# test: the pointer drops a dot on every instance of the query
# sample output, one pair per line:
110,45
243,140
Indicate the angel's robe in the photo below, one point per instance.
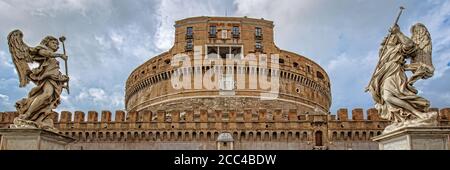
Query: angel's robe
47,74
390,77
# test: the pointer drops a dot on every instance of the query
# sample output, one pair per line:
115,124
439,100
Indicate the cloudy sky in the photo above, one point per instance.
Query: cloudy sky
107,39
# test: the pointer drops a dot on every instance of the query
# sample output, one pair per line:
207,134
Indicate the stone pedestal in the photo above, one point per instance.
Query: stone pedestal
32,139
415,138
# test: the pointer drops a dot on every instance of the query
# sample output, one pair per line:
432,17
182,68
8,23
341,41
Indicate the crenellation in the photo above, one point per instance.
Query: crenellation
146,117
331,117
444,114
2,117
217,116
106,116
120,116
66,117
181,126
92,116
132,117
342,114
372,114
79,117
9,116
357,114
55,117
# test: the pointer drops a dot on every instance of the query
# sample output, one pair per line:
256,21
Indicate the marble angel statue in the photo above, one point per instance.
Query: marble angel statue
36,109
396,99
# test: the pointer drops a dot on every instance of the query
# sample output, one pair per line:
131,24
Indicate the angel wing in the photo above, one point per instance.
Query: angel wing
422,39
21,56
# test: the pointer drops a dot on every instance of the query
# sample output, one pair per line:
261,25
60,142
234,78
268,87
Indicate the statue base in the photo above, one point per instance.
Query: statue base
33,139
415,138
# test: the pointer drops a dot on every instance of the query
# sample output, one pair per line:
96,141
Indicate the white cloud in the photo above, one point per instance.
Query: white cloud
4,98
105,99
5,104
98,95
48,8
5,60
117,38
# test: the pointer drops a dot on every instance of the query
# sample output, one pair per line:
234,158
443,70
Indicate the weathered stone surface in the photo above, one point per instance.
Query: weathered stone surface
35,110
33,139
415,138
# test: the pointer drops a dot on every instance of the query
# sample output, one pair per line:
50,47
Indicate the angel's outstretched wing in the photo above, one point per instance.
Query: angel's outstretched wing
21,56
422,39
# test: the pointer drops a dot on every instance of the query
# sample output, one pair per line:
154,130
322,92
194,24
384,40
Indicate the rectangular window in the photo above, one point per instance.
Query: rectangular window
223,52
235,51
224,34
258,32
189,31
236,30
212,31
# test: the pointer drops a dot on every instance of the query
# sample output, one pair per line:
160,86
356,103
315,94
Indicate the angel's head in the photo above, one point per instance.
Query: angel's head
51,43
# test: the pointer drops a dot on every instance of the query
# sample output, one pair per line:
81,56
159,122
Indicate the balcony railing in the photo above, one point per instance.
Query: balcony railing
212,35
189,36
236,35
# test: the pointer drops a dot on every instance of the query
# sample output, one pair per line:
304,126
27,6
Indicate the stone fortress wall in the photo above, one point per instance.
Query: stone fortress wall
199,129
304,85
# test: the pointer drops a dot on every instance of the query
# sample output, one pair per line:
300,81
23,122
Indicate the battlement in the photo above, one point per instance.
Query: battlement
80,119
246,126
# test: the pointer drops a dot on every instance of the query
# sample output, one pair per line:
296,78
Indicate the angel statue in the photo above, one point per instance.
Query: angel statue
35,110
395,96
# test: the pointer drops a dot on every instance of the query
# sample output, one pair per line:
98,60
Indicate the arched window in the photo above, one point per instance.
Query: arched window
274,136
305,136
319,75
266,136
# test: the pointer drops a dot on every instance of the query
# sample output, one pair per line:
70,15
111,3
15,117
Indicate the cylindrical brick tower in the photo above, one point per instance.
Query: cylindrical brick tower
303,84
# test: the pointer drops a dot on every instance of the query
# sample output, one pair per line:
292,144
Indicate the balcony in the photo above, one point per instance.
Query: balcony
212,35
258,36
259,47
236,35
189,36
188,47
